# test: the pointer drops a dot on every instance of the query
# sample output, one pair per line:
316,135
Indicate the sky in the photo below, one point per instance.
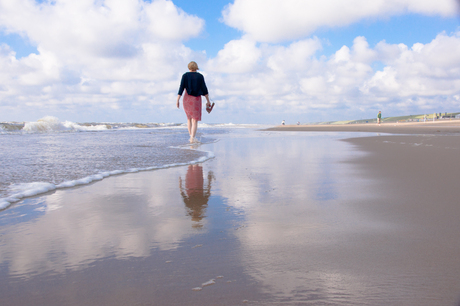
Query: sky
264,61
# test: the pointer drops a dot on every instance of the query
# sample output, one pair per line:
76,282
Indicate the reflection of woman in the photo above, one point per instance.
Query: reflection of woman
195,87
195,195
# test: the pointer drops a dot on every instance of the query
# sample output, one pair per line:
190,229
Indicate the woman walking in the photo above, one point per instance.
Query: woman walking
195,87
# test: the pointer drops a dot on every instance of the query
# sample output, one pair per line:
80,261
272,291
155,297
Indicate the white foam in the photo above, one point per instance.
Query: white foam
52,124
24,190
83,128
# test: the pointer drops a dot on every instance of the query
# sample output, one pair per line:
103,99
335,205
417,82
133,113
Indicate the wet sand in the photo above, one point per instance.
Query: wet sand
275,218
419,191
416,168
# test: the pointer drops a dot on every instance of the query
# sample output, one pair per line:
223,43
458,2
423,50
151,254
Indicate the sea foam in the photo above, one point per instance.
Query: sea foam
24,190
52,124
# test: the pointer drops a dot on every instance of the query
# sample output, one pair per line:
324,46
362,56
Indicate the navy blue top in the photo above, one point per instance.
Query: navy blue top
194,83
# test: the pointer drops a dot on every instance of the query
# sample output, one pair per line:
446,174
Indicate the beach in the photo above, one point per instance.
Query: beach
292,215
428,127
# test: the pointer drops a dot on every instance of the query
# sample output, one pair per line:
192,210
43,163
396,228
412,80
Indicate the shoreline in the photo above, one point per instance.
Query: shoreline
33,189
437,127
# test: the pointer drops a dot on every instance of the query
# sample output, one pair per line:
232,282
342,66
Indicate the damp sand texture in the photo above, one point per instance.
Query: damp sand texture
274,218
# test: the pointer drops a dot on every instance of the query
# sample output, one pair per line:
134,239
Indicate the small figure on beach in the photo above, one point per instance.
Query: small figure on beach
379,117
282,122
195,195
194,85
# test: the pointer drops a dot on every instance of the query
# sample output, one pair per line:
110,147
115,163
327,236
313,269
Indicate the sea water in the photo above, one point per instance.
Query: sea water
41,156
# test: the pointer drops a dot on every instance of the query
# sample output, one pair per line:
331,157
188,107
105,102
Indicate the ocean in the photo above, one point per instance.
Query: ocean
38,157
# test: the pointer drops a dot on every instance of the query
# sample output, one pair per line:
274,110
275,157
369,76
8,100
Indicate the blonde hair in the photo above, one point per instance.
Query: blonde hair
192,66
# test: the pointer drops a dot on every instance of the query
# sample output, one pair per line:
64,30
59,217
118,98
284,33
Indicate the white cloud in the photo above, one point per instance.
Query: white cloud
111,28
122,61
314,85
297,56
93,50
423,70
292,80
237,56
169,22
284,20
110,39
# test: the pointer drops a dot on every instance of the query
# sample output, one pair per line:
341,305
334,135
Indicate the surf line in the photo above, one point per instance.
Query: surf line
37,188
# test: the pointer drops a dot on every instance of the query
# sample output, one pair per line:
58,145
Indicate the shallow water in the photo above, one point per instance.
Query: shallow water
55,158
272,219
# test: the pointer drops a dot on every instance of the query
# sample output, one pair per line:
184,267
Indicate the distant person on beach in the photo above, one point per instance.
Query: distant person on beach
194,85
379,117
282,122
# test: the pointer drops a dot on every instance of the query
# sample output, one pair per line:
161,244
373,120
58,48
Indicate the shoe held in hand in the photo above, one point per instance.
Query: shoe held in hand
209,107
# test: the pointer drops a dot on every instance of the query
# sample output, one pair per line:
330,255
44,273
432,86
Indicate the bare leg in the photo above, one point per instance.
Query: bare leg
189,126
194,128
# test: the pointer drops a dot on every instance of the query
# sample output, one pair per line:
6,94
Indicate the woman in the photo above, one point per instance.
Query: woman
195,87
195,195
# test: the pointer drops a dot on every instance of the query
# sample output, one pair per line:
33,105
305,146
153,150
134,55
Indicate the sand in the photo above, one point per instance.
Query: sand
275,218
417,172
429,127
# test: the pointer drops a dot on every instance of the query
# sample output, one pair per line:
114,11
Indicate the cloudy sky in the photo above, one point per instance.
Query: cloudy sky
263,60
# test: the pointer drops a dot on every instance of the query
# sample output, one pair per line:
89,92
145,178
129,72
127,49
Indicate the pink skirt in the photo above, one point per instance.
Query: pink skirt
192,106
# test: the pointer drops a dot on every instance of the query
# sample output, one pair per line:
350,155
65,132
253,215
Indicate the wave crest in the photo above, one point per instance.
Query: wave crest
52,124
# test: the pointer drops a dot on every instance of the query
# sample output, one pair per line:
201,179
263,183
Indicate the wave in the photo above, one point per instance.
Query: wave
10,127
50,124
24,190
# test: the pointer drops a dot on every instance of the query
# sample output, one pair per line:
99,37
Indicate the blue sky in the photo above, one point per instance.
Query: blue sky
263,60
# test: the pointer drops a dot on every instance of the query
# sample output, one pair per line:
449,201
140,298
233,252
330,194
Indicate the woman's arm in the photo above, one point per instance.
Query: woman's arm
181,89
178,98
207,99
